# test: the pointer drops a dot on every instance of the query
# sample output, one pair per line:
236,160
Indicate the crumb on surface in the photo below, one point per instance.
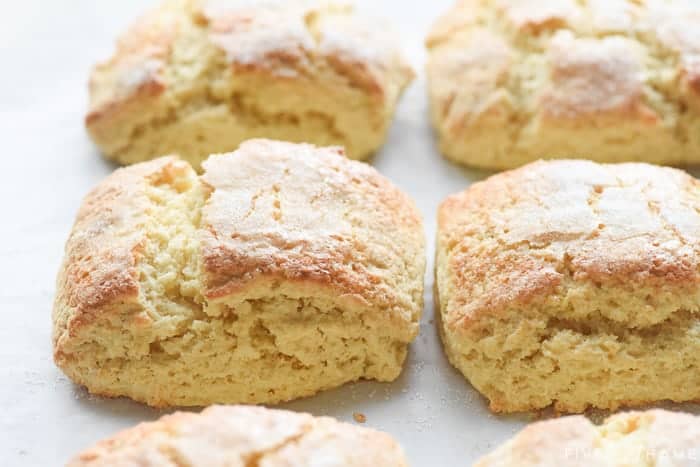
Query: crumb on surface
359,417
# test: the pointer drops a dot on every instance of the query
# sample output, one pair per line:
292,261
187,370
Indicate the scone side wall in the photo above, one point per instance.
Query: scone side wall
653,436
614,81
565,277
99,269
236,434
279,256
195,78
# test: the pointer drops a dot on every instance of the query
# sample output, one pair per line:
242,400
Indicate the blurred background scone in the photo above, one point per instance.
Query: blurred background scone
244,436
197,77
575,284
512,81
283,270
634,439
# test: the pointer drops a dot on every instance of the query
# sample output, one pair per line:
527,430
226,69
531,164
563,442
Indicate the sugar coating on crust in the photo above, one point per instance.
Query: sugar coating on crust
651,438
283,270
573,283
244,436
196,77
609,80
307,219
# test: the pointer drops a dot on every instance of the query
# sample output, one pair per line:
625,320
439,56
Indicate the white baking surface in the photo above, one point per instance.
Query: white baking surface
46,50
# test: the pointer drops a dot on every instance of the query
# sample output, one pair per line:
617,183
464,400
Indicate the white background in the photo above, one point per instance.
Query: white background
48,164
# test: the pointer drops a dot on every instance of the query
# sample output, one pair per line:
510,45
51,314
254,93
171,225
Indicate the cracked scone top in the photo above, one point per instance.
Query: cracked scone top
244,436
197,77
512,81
573,283
283,270
644,439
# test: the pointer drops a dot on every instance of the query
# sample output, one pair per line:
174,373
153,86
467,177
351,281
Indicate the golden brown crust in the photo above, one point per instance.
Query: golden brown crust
307,217
513,238
101,255
633,438
560,71
244,435
291,35
136,71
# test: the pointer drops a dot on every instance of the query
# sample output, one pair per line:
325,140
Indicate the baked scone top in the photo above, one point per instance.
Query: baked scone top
565,61
309,214
186,52
553,233
634,438
268,213
245,435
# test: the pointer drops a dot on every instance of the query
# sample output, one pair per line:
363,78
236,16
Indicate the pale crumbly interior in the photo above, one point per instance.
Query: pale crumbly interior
210,105
655,438
273,343
611,81
564,353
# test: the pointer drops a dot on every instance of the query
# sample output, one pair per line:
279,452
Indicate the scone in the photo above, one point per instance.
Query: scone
575,284
633,439
283,270
197,77
239,436
512,81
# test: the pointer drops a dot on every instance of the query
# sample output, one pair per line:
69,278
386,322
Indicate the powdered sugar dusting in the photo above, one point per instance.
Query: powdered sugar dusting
369,40
133,77
250,32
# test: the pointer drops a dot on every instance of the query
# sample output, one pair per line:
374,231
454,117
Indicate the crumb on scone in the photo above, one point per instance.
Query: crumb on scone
283,270
574,284
197,77
244,436
512,81
644,439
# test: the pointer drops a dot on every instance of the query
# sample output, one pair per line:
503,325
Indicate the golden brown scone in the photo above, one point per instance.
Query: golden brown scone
654,438
283,270
196,77
238,436
575,284
512,81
